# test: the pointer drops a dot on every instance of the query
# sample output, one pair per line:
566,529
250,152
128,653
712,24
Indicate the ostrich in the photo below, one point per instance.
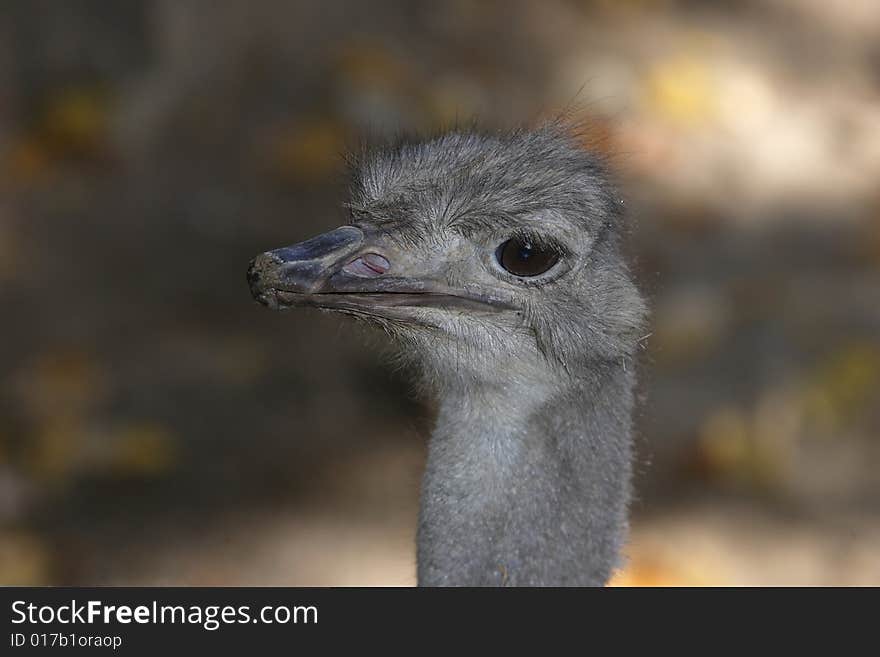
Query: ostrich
493,261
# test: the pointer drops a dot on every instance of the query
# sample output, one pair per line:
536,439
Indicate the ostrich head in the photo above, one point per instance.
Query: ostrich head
490,258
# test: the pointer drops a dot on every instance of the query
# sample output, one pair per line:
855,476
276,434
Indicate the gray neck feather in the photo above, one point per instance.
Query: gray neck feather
528,483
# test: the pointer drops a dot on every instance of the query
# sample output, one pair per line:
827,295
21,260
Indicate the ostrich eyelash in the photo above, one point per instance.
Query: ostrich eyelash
538,240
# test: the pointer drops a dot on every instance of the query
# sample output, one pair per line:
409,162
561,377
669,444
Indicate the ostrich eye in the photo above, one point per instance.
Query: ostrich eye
521,258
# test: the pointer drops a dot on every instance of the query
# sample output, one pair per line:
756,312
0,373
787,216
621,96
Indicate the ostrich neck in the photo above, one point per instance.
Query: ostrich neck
528,484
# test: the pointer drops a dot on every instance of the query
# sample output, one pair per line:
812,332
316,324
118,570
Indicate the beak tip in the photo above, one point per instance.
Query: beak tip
267,298
303,268
257,277
253,278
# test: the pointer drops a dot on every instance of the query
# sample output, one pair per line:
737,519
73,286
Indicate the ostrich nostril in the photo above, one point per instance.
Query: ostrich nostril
369,265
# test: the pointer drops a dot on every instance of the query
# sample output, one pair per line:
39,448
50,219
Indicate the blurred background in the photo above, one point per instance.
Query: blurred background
158,427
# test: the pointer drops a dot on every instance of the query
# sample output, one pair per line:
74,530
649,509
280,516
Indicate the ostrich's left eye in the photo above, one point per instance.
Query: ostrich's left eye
522,258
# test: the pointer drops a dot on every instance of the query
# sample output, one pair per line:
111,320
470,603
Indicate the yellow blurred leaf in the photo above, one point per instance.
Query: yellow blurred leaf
24,560
76,119
308,150
681,89
848,381
368,64
757,447
145,449
27,160
56,448
725,440
63,381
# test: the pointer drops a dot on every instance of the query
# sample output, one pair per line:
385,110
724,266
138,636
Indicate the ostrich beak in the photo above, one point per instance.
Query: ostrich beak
344,270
